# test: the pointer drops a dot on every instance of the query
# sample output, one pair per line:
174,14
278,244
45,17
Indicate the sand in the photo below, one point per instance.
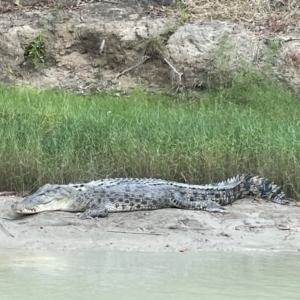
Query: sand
249,226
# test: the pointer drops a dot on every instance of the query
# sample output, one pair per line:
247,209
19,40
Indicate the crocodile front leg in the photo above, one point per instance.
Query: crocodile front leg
94,211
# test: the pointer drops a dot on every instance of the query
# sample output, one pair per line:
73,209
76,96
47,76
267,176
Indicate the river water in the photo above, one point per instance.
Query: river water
160,276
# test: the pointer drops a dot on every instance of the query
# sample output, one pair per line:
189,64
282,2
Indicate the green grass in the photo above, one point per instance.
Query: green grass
58,137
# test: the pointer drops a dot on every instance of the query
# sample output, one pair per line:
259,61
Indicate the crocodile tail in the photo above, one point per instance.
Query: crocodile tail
261,187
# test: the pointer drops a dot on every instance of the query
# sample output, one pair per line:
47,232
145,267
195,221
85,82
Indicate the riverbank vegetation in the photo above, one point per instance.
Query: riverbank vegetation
249,126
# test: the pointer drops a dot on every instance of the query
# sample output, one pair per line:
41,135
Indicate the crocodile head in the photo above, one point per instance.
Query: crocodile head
48,198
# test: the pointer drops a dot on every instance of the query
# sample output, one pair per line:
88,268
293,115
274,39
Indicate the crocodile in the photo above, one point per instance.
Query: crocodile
98,198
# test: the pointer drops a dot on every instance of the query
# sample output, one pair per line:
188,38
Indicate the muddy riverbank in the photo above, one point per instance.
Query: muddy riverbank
250,226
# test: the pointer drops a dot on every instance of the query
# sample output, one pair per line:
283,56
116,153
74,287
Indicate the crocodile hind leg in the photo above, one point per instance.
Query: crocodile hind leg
208,205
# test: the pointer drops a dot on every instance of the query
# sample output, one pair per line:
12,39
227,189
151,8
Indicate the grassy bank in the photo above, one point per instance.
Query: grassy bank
251,127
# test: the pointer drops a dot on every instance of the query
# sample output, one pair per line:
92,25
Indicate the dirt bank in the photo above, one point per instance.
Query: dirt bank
250,226
90,47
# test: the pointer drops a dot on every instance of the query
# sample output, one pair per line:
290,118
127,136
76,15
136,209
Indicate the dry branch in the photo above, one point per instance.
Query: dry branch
133,67
173,68
5,230
133,232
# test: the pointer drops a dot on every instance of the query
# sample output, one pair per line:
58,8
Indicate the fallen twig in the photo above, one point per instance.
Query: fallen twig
111,2
80,229
5,230
133,67
290,40
283,227
173,68
133,232
8,194
6,218
102,46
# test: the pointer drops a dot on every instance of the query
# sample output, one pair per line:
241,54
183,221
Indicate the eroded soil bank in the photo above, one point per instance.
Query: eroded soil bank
250,226
94,46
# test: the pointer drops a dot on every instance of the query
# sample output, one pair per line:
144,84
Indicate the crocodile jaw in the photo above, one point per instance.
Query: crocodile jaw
47,198
26,207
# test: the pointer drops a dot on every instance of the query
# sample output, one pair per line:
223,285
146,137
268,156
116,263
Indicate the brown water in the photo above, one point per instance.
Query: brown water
124,275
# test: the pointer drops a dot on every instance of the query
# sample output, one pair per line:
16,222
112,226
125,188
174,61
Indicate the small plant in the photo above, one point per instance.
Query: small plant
58,9
183,12
274,45
153,47
170,28
35,51
9,70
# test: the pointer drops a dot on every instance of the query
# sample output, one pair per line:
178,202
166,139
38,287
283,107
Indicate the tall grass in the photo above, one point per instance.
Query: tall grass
50,136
